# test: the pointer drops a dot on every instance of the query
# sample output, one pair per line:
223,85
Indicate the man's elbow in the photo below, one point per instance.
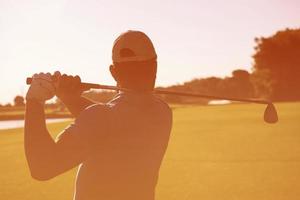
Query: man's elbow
41,174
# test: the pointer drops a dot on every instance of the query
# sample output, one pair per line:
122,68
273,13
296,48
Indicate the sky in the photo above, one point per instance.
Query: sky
193,38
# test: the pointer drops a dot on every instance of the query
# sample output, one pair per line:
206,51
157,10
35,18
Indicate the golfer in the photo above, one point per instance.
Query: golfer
119,145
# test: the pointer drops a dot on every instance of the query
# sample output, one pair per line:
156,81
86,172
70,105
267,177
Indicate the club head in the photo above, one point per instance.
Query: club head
270,115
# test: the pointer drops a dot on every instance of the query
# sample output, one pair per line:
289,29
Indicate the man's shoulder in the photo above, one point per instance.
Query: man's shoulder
95,107
98,109
162,103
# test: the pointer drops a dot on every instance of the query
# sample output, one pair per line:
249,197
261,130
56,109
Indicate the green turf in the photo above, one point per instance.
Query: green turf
215,152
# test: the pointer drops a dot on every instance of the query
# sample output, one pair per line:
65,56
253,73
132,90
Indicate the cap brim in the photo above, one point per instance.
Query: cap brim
134,59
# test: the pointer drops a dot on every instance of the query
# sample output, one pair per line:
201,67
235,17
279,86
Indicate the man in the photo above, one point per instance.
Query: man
118,145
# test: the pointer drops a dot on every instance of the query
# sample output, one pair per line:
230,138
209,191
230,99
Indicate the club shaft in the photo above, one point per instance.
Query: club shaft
88,86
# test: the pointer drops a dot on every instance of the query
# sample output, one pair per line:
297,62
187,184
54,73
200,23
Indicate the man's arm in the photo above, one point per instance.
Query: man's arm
45,157
76,104
37,140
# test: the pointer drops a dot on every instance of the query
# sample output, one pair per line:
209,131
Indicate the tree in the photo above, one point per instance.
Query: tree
262,83
238,85
19,101
277,58
243,86
8,105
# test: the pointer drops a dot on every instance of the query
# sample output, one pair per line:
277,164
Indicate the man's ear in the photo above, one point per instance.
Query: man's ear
113,72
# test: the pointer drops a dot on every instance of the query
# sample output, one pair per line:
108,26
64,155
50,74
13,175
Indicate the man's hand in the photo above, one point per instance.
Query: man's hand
42,88
67,87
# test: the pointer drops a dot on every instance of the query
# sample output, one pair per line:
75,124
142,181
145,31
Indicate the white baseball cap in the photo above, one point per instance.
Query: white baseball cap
133,46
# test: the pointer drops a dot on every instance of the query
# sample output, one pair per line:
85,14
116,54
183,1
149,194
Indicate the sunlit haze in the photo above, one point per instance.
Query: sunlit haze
193,39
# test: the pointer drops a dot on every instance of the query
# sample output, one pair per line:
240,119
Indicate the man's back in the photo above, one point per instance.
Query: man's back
126,140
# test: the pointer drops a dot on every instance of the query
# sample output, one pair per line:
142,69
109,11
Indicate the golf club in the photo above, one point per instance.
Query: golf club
270,114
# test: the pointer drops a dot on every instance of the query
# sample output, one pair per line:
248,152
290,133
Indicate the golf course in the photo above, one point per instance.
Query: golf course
221,152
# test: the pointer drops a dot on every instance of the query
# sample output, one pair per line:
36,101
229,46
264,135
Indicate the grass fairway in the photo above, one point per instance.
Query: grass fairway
215,152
